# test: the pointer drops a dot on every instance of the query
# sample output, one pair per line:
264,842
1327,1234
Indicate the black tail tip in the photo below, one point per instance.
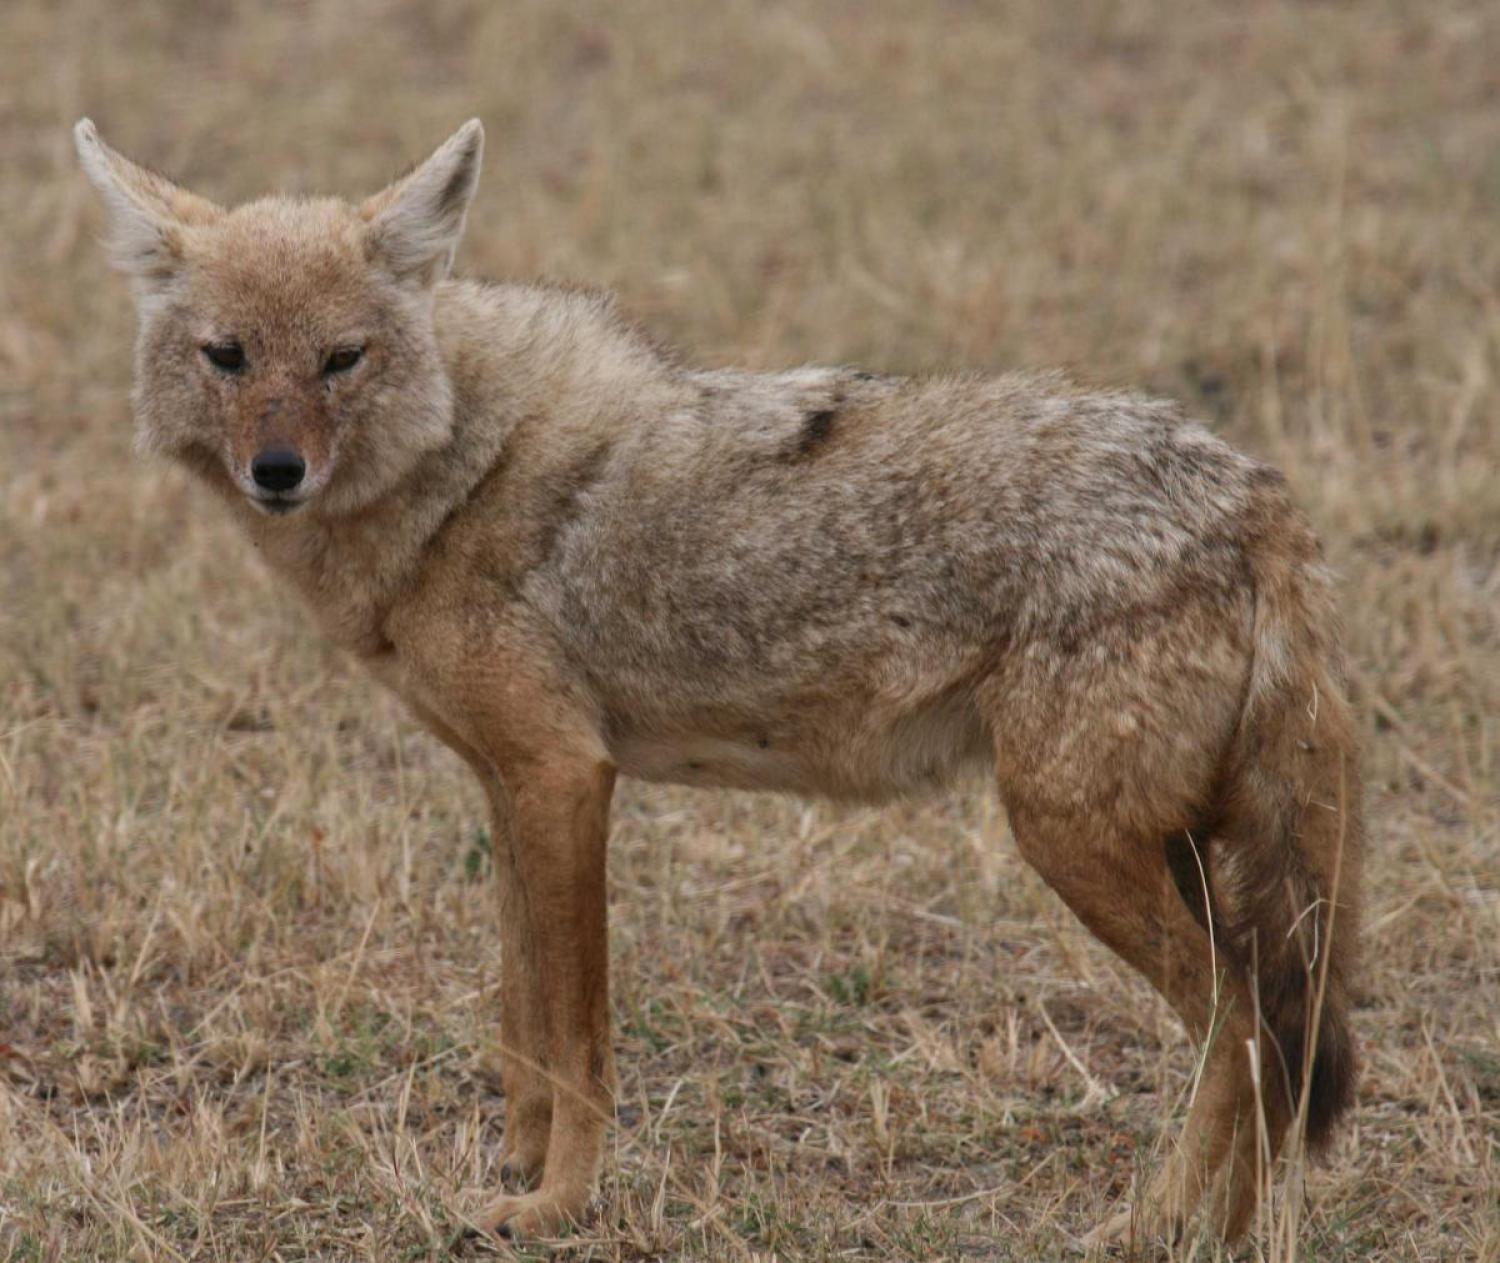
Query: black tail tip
1330,1082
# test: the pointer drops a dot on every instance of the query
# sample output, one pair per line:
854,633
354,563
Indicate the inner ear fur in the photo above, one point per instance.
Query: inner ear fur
416,223
147,211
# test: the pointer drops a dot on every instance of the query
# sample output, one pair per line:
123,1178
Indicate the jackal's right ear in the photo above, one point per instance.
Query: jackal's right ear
415,223
147,211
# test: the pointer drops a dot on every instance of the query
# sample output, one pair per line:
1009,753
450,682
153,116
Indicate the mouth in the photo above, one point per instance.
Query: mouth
276,505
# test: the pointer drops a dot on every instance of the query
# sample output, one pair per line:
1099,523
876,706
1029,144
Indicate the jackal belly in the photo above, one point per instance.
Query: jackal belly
868,753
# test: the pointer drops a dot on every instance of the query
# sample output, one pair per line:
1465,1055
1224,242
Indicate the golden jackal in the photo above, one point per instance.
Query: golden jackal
572,556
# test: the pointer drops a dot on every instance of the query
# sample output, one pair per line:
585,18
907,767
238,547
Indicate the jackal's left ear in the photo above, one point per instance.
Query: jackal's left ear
148,213
416,223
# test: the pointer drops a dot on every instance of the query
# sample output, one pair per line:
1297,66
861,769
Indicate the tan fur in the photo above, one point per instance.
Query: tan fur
574,557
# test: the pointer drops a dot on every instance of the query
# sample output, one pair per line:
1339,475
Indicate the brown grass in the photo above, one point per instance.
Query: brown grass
247,945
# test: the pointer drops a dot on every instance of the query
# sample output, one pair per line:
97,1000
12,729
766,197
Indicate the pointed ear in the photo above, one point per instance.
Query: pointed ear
147,212
416,223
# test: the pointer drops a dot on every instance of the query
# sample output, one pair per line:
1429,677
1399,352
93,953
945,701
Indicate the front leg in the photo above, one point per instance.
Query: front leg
523,1049
523,1043
556,811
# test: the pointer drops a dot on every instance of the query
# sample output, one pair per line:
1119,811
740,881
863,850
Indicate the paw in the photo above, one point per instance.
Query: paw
523,1149
544,1213
1130,1230
1118,1231
521,1168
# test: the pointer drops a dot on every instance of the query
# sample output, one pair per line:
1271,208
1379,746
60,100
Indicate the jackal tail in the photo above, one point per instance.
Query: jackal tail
1291,824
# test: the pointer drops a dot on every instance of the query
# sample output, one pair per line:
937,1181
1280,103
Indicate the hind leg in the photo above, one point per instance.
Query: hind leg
1220,1161
1233,1134
1121,887
1262,1120
1102,758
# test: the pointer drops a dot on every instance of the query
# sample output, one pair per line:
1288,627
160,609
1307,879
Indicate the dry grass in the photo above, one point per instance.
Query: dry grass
247,947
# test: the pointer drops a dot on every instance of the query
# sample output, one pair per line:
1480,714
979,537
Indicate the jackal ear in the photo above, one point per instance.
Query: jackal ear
416,223
147,211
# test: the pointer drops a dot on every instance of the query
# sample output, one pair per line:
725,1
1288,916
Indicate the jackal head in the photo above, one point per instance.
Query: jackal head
287,347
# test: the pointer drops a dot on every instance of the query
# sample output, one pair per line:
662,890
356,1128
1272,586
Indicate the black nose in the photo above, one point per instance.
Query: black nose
279,469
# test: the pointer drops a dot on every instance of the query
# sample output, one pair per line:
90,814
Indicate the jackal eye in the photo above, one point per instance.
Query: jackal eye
228,356
342,360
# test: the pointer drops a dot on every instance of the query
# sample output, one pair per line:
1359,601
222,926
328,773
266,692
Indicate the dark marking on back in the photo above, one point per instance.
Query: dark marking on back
816,429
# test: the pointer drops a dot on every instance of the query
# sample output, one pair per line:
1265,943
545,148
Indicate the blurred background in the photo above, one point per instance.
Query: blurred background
247,955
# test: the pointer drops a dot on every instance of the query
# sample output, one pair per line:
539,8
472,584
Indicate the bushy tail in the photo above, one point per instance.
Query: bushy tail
1288,879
